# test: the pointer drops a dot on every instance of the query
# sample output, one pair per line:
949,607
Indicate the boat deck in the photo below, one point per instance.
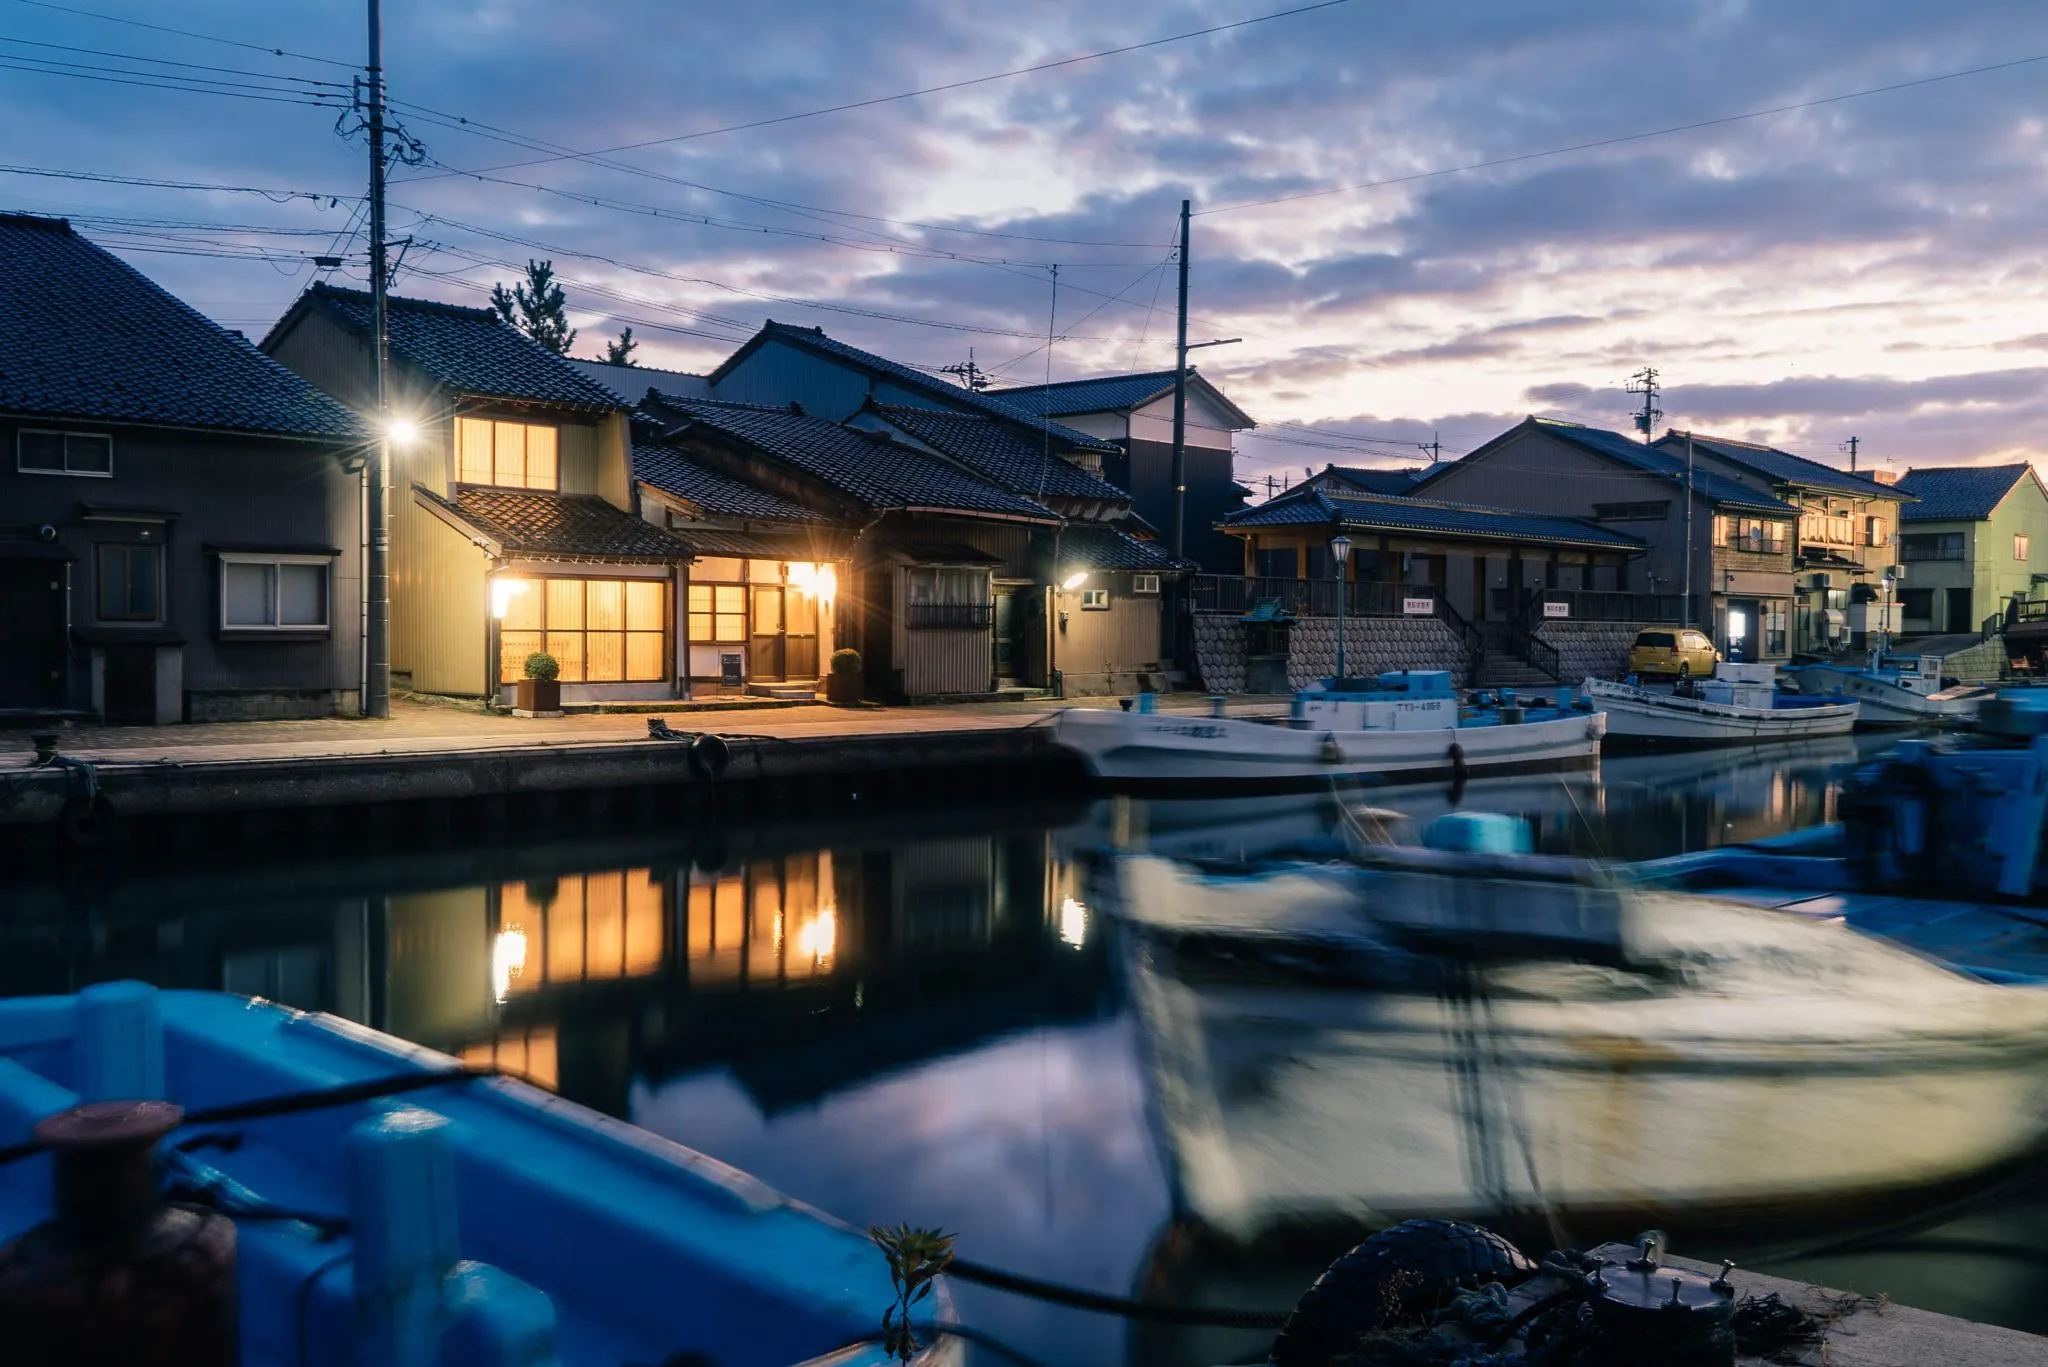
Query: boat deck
1993,941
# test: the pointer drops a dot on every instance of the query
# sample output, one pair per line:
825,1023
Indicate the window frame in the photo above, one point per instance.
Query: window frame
274,560
494,422
511,661
155,551
1144,584
716,591
65,434
2022,544
1095,600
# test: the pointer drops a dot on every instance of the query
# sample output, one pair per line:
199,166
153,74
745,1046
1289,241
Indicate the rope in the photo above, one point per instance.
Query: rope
293,1103
1074,1298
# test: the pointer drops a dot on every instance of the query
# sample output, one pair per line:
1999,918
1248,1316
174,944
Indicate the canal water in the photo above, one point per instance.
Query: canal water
927,1016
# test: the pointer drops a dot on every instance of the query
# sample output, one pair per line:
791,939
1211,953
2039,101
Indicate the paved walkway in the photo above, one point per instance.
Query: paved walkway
417,727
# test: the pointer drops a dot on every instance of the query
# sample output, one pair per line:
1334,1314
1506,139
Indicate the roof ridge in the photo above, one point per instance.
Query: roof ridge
1089,379
45,222
321,287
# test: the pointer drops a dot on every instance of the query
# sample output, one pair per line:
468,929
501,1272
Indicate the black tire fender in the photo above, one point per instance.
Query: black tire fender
88,823
709,756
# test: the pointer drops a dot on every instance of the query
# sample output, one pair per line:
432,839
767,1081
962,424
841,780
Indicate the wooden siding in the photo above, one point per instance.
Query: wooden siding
440,602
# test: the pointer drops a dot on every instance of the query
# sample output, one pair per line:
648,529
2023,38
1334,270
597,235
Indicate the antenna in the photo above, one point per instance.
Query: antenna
968,373
1644,382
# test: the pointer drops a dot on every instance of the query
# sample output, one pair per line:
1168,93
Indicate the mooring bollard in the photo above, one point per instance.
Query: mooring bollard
1216,704
401,1180
118,1045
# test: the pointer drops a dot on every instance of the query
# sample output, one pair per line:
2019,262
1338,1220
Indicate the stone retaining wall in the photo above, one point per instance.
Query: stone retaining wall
1371,646
1590,649
1984,662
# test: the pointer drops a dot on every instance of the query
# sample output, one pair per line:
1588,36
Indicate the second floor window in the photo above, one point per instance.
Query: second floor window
64,453
2020,547
1931,546
512,455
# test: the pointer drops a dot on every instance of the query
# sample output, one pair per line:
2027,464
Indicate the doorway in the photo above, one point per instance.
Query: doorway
767,657
130,698
783,634
32,605
1009,654
1959,617
1741,636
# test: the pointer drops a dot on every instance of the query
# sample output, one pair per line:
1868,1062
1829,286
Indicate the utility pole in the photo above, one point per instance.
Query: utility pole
1644,382
1435,447
1850,446
968,373
1180,397
1685,592
377,573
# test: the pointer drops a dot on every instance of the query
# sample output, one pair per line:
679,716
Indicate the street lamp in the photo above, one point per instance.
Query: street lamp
1340,548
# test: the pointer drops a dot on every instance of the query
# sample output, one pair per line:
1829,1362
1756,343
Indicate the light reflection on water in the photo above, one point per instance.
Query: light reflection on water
920,1017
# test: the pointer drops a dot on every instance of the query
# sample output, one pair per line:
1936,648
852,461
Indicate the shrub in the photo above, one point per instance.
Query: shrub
846,661
541,665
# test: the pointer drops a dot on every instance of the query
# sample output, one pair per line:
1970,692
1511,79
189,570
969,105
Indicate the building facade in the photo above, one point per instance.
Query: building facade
1967,544
513,529
180,538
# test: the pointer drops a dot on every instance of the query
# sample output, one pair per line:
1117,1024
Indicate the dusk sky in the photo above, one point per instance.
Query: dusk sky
1869,266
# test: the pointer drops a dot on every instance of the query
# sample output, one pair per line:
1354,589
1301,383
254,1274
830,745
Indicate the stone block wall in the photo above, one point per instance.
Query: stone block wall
1219,653
1984,662
1590,649
1373,645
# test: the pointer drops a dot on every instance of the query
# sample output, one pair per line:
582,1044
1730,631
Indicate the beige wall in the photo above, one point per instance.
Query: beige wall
440,602
1101,651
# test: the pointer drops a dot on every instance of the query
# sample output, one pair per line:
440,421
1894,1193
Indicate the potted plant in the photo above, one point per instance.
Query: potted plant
540,692
842,685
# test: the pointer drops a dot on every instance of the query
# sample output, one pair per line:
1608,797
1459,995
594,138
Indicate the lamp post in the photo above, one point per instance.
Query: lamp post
1340,548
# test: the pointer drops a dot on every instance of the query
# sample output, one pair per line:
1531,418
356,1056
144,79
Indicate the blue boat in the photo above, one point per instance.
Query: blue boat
503,1225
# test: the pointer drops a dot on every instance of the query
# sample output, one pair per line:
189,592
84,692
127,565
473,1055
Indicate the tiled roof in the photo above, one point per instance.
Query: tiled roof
562,526
1958,493
629,383
1375,481
756,545
717,494
1109,394
1312,506
1781,465
1083,546
1001,453
1717,489
84,335
471,351
880,473
949,395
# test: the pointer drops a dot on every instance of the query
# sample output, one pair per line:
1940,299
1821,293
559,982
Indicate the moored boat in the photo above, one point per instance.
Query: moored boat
1742,708
1892,691
1335,1042
594,1242
1404,726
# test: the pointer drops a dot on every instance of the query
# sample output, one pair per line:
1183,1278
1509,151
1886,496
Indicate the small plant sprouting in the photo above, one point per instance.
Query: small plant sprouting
916,1258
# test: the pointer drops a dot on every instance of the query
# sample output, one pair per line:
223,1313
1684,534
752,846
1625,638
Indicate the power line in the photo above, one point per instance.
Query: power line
164,61
154,183
1630,137
165,81
937,89
188,33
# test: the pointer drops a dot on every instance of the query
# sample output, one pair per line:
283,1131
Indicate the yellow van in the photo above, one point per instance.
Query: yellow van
1676,651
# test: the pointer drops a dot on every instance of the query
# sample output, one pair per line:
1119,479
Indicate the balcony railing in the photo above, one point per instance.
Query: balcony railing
1910,552
1234,593
1757,545
951,616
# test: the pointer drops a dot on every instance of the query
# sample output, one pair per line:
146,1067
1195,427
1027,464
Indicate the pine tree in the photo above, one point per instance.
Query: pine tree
537,307
621,351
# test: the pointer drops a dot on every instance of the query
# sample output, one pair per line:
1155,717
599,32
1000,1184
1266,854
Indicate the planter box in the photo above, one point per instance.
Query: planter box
842,689
537,698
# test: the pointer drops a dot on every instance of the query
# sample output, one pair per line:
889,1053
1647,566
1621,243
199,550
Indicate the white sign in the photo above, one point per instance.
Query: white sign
1557,609
1418,607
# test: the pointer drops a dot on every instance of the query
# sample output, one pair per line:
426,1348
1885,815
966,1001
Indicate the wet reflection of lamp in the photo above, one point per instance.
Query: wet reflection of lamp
508,961
1073,923
818,937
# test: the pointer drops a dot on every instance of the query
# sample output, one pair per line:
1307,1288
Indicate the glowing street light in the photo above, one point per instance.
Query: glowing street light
402,431
1074,580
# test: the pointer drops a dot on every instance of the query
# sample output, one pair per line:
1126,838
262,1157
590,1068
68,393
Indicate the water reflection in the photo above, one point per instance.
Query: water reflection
932,1018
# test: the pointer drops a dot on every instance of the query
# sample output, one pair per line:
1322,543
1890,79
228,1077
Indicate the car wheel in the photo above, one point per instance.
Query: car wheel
1684,671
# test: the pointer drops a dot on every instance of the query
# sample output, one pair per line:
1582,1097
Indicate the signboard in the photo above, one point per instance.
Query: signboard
1557,609
729,670
1418,607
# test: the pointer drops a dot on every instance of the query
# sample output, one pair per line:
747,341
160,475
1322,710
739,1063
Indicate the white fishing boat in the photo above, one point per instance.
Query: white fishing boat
1893,691
1670,1056
1405,726
1740,705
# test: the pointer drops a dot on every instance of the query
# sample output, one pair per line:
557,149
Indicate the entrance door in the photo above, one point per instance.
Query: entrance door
800,634
769,659
1006,637
32,605
1959,618
131,685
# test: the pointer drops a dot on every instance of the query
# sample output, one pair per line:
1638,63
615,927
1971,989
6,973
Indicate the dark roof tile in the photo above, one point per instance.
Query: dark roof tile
552,526
880,473
1958,493
1780,465
1092,547
1310,505
1108,394
999,452
88,337
718,494
470,351
1716,488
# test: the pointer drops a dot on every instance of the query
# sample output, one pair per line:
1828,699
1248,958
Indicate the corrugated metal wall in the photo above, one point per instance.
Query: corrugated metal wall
948,662
440,602
1125,639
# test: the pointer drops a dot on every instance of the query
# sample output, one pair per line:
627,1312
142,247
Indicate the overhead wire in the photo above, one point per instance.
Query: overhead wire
186,85
187,33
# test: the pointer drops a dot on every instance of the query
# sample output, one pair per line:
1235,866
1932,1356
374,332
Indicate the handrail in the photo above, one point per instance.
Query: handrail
1473,637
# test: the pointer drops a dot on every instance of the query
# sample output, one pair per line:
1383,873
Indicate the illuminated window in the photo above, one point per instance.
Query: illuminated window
2020,546
598,630
718,612
512,455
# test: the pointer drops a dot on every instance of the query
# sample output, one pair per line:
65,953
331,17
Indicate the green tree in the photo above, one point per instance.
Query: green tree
621,351
537,307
